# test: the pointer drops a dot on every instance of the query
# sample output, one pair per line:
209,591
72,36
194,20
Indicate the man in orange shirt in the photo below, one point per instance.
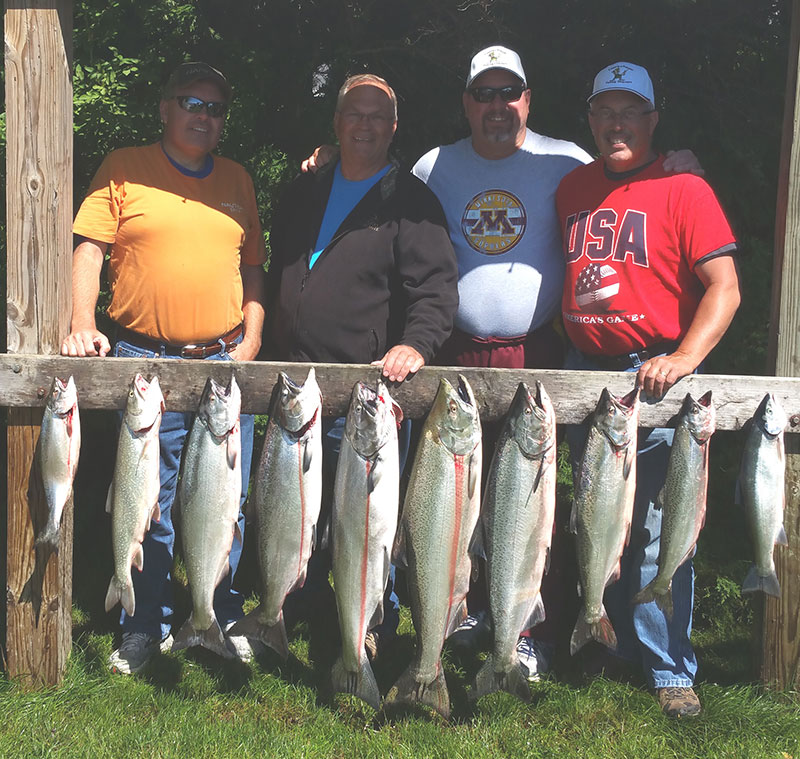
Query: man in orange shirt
186,255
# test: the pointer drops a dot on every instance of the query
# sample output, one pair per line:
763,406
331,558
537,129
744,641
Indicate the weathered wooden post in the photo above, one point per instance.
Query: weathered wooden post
781,643
38,44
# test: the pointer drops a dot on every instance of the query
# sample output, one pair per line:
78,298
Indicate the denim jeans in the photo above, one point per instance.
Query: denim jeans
643,631
153,585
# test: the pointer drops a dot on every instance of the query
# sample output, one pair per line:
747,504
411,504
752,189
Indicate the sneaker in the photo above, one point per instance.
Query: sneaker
535,657
246,649
473,633
678,702
135,650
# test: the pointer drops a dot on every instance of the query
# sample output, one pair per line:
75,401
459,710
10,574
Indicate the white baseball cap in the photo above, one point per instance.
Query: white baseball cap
625,76
495,57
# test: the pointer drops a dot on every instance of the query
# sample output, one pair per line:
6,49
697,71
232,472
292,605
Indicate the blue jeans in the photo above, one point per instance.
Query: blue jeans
643,631
153,585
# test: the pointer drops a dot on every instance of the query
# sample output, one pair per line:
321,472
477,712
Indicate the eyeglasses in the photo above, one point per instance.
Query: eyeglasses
508,94
628,116
192,104
354,117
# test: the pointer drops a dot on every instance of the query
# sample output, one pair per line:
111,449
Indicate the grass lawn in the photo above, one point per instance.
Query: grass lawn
192,704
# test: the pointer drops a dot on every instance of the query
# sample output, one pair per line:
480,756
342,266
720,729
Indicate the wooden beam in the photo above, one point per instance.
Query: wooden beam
781,632
38,51
103,384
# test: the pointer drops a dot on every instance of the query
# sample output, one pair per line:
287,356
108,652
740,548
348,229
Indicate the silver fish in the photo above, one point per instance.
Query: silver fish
761,489
365,507
58,450
133,495
515,532
209,491
603,508
287,498
439,517
682,498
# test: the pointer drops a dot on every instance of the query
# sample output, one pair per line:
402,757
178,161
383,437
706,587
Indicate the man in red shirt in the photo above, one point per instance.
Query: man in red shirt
651,286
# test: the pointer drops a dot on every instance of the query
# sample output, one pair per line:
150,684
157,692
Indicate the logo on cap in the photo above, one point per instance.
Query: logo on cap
618,74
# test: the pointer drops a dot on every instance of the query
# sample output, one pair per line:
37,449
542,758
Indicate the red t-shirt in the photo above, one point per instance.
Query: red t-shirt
631,245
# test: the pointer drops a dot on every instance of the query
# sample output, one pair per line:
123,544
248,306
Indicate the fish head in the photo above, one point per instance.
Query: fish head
63,397
617,417
454,417
295,407
532,420
220,406
145,404
371,418
770,416
699,416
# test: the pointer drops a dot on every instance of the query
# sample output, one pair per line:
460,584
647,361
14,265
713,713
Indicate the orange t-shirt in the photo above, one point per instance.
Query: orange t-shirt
176,242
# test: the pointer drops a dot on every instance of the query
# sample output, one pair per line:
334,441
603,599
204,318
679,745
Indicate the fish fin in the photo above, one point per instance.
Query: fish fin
472,476
128,599
224,569
399,558
361,684
373,475
234,446
408,690
377,616
113,595
307,456
547,560
254,627
602,631
615,575
456,618
110,497
488,681
755,582
155,514
630,458
537,613
539,474
781,540
477,542
212,638
137,560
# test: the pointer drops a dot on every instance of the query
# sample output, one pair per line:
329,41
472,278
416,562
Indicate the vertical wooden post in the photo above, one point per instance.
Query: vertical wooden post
781,643
38,57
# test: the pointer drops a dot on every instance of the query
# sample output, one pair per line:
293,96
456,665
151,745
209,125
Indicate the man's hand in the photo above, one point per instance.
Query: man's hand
321,156
85,342
245,351
683,162
659,374
399,362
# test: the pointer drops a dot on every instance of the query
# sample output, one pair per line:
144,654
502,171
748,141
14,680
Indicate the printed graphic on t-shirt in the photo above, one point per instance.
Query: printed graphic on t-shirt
494,222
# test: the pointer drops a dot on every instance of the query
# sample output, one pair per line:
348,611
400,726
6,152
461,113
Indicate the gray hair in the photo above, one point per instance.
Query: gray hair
376,81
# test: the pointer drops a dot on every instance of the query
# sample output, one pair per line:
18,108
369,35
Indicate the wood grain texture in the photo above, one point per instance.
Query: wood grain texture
103,384
781,640
38,49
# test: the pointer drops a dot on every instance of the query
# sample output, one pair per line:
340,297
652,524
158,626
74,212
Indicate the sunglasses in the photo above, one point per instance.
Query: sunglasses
507,94
194,105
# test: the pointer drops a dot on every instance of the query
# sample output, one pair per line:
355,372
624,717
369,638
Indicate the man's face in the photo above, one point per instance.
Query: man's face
498,128
622,125
192,135
365,126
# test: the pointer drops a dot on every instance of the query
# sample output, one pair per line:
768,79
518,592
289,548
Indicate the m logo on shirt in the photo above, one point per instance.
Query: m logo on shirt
600,235
494,222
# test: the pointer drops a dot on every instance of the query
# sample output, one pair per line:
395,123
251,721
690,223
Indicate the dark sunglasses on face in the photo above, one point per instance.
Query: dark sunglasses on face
194,105
507,94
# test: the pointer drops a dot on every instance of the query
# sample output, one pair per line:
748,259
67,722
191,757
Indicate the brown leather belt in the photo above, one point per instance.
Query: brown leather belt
634,358
193,350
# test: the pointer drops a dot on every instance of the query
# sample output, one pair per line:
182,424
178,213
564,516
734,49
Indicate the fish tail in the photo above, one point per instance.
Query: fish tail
488,681
121,593
409,690
755,582
600,630
253,626
211,639
361,684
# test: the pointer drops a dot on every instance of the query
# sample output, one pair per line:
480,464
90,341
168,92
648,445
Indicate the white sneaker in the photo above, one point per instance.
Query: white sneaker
535,657
473,633
246,649
135,650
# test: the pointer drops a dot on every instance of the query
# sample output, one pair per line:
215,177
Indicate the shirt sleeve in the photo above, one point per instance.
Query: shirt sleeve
703,228
99,214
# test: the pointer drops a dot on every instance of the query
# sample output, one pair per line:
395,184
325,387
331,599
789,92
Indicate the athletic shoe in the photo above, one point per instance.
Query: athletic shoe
678,702
473,633
535,657
246,649
135,650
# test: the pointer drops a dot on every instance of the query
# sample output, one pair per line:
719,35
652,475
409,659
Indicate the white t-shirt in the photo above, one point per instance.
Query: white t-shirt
504,228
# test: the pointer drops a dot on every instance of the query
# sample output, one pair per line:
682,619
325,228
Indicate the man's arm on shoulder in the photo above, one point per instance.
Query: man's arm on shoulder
712,318
253,312
84,338
683,162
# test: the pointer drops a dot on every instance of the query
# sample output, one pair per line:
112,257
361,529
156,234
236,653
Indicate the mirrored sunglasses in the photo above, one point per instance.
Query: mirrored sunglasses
507,94
195,105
